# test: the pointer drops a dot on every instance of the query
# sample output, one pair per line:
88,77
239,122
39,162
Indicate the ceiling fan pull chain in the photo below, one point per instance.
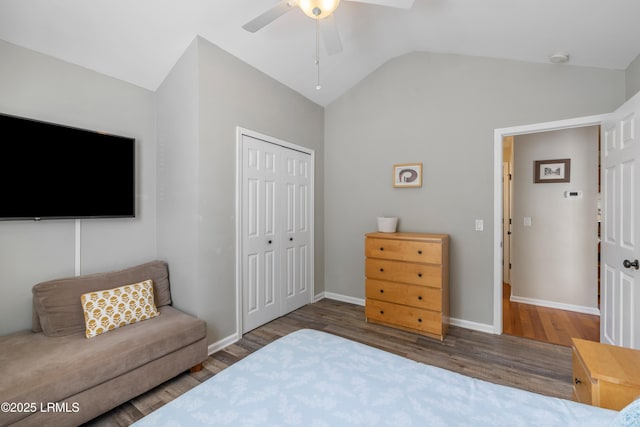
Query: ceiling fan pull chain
318,87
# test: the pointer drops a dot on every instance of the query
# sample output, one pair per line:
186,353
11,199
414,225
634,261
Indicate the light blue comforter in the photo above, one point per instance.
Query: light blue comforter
311,378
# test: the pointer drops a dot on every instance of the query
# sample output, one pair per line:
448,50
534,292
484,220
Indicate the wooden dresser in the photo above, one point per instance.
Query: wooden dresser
407,281
605,375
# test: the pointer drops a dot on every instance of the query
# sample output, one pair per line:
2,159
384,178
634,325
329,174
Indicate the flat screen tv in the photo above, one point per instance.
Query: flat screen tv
50,171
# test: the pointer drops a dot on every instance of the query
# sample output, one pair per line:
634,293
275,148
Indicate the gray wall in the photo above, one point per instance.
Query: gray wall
40,87
440,110
555,259
229,93
633,77
177,177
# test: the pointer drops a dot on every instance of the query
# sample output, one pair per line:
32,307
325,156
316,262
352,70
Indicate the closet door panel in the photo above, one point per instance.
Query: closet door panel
260,255
277,226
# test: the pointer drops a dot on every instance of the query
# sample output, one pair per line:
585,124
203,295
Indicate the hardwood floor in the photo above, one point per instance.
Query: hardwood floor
547,324
527,364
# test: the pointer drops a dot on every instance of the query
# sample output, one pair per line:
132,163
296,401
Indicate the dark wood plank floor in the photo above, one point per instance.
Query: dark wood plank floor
547,324
527,364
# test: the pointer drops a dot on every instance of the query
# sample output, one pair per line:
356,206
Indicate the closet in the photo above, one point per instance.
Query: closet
276,227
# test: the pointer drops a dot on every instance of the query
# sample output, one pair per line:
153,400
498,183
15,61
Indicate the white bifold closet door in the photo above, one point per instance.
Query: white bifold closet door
276,231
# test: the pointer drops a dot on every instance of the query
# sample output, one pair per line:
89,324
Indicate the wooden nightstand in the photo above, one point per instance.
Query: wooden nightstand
605,375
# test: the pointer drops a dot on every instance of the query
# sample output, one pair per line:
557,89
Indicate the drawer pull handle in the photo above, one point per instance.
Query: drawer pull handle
382,291
577,381
382,249
419,320
419,274
420,297
381,311
419,252
382,269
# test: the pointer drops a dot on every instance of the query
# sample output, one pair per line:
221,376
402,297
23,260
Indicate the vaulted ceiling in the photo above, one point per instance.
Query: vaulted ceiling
138,41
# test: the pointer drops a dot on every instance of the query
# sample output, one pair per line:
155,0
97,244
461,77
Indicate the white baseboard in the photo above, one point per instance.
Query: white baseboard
223,343
474,326
481,327
557,305
455,322
344,298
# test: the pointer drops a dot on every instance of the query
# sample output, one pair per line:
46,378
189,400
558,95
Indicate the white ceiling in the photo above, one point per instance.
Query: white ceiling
138,41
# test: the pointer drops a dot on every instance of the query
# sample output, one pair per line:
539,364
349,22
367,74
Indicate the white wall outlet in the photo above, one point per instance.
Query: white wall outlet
527,221
479,225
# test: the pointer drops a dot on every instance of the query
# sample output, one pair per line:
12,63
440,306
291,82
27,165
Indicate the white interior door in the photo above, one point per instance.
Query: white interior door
620,233
276,230
506,223
296,238
260,255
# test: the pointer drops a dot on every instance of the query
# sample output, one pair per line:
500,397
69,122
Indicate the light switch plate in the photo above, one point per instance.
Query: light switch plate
479,225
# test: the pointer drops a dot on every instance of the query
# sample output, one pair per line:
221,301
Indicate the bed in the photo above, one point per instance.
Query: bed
312,378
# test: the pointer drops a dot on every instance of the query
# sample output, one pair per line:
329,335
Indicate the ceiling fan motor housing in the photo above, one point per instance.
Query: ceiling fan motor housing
318,9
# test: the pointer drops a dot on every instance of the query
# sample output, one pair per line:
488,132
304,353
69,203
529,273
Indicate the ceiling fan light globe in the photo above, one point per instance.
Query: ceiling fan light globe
311,7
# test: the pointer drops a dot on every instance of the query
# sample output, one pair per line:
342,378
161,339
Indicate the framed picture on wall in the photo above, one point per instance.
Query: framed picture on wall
408,175
547,171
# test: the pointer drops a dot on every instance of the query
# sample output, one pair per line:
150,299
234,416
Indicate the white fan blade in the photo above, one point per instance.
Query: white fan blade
269,16
401,4
330,35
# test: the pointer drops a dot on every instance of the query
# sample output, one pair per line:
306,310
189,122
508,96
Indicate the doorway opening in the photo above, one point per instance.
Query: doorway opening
533,316
550,235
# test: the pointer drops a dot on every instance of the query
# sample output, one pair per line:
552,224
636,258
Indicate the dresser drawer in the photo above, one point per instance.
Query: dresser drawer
582,387
400,293
401,315
402,250
404,272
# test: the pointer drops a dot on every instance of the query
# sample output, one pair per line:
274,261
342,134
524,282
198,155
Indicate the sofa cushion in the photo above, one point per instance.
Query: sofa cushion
109,309
38,368
57,302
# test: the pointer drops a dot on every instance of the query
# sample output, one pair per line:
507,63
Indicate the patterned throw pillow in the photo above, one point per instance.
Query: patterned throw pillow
113,308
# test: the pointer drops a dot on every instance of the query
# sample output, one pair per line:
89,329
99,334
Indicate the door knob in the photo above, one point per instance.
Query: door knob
628,264
269,241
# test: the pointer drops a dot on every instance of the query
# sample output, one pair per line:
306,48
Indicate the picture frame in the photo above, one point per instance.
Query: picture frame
407,175
550,171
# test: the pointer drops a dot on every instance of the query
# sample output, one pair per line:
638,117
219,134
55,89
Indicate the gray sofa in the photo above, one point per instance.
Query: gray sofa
54,376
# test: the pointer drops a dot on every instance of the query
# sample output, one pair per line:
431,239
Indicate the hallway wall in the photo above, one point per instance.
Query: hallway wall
554,260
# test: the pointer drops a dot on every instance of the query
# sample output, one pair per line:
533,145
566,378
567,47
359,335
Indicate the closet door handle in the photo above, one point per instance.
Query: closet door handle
628,264
291,239
269,242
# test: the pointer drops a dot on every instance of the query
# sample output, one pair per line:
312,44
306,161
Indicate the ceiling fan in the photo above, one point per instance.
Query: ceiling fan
320,10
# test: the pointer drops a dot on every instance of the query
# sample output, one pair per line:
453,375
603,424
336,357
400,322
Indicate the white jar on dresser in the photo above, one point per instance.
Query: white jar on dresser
407,281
